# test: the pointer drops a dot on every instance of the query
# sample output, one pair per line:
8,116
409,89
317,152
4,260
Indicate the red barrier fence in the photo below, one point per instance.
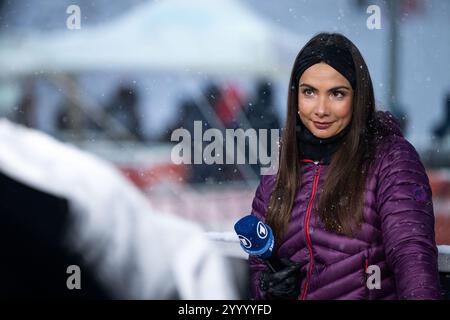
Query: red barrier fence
440,186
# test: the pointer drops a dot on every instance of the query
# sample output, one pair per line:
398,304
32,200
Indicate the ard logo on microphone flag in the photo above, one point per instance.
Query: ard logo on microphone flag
262,230
245,242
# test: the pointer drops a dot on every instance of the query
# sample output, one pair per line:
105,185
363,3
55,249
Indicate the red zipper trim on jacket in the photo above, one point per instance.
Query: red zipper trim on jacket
306,227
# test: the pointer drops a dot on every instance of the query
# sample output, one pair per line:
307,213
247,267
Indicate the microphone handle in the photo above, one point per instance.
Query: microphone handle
270,266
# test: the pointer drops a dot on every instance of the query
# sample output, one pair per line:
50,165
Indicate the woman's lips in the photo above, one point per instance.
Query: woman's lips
323,125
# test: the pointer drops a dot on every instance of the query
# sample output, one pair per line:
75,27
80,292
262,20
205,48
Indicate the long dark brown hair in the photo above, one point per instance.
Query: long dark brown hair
341,200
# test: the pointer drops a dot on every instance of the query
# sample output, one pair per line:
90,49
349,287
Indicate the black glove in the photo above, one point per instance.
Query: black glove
283,284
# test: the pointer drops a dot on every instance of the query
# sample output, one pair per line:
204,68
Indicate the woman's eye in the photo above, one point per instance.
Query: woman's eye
308,92
338,94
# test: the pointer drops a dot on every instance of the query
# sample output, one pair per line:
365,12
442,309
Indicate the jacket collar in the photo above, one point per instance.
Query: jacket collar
317,149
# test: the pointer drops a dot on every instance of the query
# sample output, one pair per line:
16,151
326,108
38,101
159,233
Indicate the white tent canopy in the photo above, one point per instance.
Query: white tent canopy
220,36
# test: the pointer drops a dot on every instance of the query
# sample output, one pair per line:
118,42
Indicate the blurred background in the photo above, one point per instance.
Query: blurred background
118,81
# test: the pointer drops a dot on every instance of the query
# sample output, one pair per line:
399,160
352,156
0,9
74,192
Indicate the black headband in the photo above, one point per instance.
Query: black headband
338,58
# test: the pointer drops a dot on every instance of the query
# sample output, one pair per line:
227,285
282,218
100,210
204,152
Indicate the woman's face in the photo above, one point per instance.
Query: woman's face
324,100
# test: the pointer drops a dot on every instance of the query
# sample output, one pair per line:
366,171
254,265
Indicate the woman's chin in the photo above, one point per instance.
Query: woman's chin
322,134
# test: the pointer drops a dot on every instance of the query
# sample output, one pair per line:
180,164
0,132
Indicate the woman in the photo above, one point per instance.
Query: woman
350,206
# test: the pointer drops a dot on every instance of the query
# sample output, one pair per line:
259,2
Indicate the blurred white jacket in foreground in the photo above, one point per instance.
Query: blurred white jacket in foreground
132,251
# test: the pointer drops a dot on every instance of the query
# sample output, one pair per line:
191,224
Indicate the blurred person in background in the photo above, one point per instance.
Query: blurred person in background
204,109
123,106
230,109
229,106
351,205
62,208
261,114
26,109
188,112
261,110
443,128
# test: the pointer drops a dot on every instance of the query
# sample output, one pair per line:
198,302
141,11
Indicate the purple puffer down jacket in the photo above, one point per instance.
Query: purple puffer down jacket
397,234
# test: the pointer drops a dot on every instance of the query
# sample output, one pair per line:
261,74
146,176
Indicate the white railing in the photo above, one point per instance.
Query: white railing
444,258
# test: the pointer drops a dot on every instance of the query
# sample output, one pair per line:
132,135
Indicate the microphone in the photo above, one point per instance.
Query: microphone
256,238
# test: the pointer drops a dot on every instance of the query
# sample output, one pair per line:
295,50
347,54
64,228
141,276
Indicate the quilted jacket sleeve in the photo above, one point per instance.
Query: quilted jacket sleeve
259,208
407,222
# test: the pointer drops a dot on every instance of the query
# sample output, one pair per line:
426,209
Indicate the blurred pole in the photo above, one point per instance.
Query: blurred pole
74,114
393,100
393,50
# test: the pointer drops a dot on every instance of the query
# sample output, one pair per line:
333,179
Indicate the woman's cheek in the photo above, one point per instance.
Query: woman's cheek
305,105
342,108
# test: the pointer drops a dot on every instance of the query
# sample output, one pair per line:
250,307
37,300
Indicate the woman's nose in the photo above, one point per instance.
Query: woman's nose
322,108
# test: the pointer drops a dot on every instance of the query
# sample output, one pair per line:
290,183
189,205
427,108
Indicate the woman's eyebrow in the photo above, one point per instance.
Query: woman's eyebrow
332,89
339,87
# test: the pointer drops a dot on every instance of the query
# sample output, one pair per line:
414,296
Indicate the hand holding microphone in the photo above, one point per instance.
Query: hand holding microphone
257,240
283,284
